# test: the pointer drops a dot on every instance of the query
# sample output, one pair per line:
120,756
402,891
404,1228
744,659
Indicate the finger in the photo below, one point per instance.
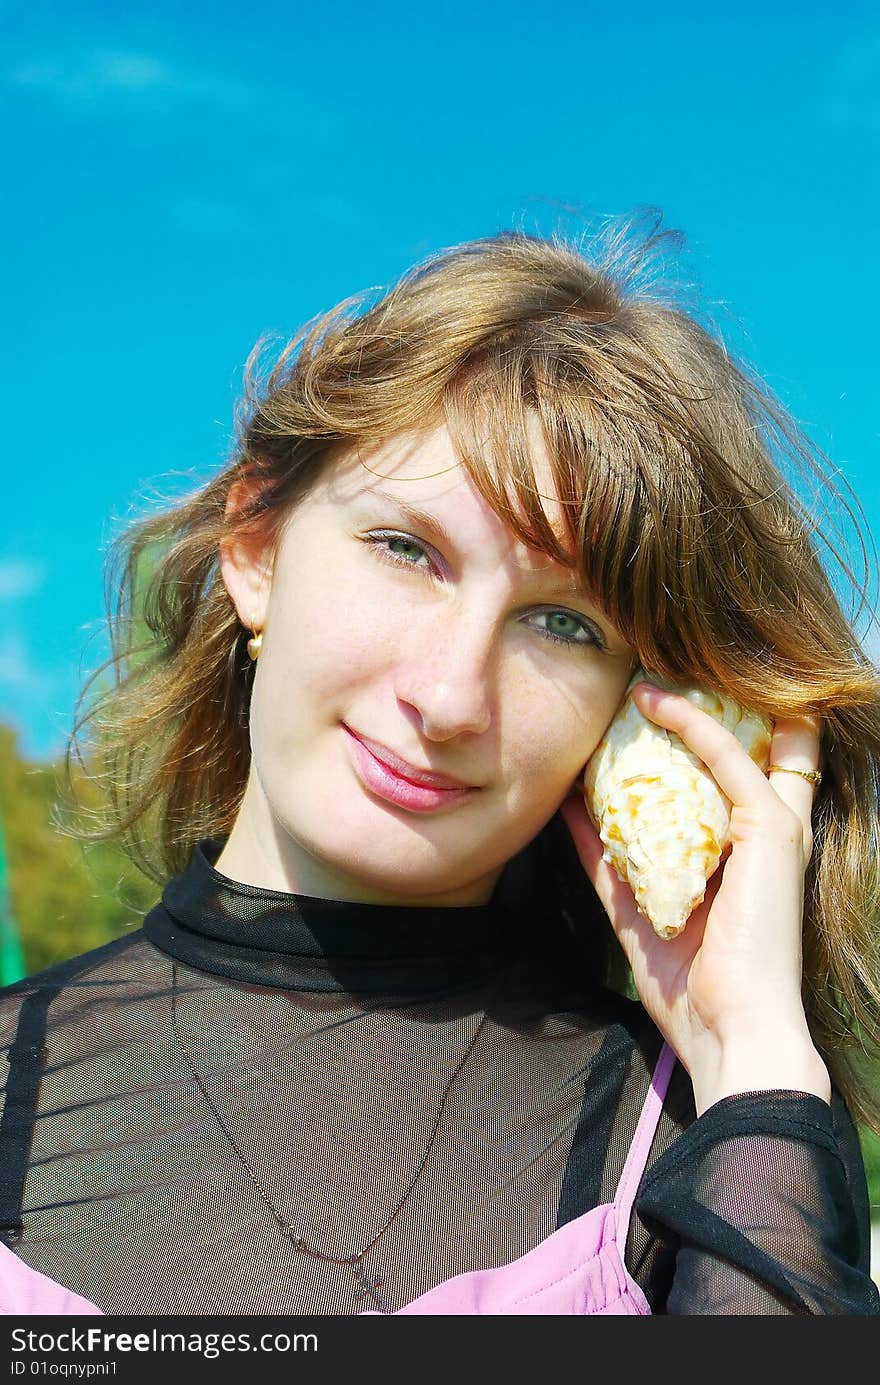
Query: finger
796,745
729,763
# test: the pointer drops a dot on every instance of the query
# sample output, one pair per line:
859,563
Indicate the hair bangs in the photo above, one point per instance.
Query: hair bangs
622,491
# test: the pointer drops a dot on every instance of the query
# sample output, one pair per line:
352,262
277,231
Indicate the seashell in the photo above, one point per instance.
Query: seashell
658,810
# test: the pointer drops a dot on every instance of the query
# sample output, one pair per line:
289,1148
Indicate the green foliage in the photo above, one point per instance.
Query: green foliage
66,897
871,1154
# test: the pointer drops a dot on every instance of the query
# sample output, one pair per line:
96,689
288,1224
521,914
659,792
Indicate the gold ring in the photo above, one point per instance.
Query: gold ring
813,776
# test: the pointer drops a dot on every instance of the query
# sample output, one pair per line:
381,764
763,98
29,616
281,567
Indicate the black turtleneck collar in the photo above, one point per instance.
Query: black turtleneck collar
304,943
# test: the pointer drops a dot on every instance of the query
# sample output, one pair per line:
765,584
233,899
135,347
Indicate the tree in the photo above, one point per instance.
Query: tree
66,897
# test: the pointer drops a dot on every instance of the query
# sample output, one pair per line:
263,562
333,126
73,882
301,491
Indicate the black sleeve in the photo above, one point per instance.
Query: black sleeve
765,1201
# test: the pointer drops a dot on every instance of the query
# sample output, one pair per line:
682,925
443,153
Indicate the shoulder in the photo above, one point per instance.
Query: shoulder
83,1005
59,975
632,1046
624,1045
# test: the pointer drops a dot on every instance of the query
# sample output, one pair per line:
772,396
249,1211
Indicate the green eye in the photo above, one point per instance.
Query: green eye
559,622
568,628
379,541
399,546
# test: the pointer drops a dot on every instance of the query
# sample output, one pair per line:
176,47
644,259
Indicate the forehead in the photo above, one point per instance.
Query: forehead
421,472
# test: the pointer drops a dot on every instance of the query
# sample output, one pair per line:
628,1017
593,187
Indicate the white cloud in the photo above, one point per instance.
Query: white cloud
96,74
100,73
97,79
18,673
34,699
19,577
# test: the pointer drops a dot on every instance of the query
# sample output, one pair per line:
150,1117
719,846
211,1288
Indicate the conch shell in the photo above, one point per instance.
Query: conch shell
659,812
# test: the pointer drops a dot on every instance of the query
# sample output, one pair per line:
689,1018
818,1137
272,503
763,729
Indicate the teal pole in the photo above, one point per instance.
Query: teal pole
12,966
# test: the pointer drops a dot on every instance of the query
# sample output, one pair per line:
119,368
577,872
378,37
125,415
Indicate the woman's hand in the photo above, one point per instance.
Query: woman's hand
726,992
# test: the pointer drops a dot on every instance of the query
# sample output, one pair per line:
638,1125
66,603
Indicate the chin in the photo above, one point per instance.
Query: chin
397,876
394,881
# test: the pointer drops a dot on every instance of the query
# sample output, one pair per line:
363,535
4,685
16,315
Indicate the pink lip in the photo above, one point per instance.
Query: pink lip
389,783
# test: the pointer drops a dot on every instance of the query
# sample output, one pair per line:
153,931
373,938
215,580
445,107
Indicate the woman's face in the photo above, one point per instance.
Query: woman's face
437,650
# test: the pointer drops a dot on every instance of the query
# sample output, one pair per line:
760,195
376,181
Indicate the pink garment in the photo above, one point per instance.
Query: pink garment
26,1291
578,1269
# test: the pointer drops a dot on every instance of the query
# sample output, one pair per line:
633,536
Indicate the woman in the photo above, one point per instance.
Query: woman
377,1037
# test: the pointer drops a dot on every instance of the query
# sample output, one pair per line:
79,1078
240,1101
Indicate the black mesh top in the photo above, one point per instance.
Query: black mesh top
418,1092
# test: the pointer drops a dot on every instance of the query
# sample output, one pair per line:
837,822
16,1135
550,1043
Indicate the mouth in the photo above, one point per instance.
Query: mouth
425,779
389,783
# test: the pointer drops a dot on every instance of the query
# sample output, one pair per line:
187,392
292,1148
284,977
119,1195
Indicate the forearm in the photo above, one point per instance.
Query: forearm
764,1059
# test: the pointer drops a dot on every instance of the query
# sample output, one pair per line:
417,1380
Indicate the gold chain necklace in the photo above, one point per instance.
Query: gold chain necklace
368,1286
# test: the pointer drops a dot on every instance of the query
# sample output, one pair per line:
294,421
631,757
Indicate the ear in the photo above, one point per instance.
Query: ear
246,565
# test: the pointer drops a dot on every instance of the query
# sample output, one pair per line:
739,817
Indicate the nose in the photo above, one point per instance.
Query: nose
446,675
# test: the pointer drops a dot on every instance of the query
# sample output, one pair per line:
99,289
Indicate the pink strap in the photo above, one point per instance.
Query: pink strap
641,1145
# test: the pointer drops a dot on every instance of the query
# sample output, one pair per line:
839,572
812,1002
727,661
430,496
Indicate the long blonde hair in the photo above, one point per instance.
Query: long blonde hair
668,457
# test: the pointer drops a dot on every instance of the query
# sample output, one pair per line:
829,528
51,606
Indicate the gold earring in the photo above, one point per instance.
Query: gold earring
255,643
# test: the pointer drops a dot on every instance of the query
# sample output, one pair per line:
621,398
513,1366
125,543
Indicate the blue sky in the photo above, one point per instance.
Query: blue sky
182,180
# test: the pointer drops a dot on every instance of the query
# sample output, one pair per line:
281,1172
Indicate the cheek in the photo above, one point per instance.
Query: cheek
556,722
323,645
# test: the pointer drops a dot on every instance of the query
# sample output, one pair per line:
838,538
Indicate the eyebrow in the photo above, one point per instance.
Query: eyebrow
435,527
419,517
